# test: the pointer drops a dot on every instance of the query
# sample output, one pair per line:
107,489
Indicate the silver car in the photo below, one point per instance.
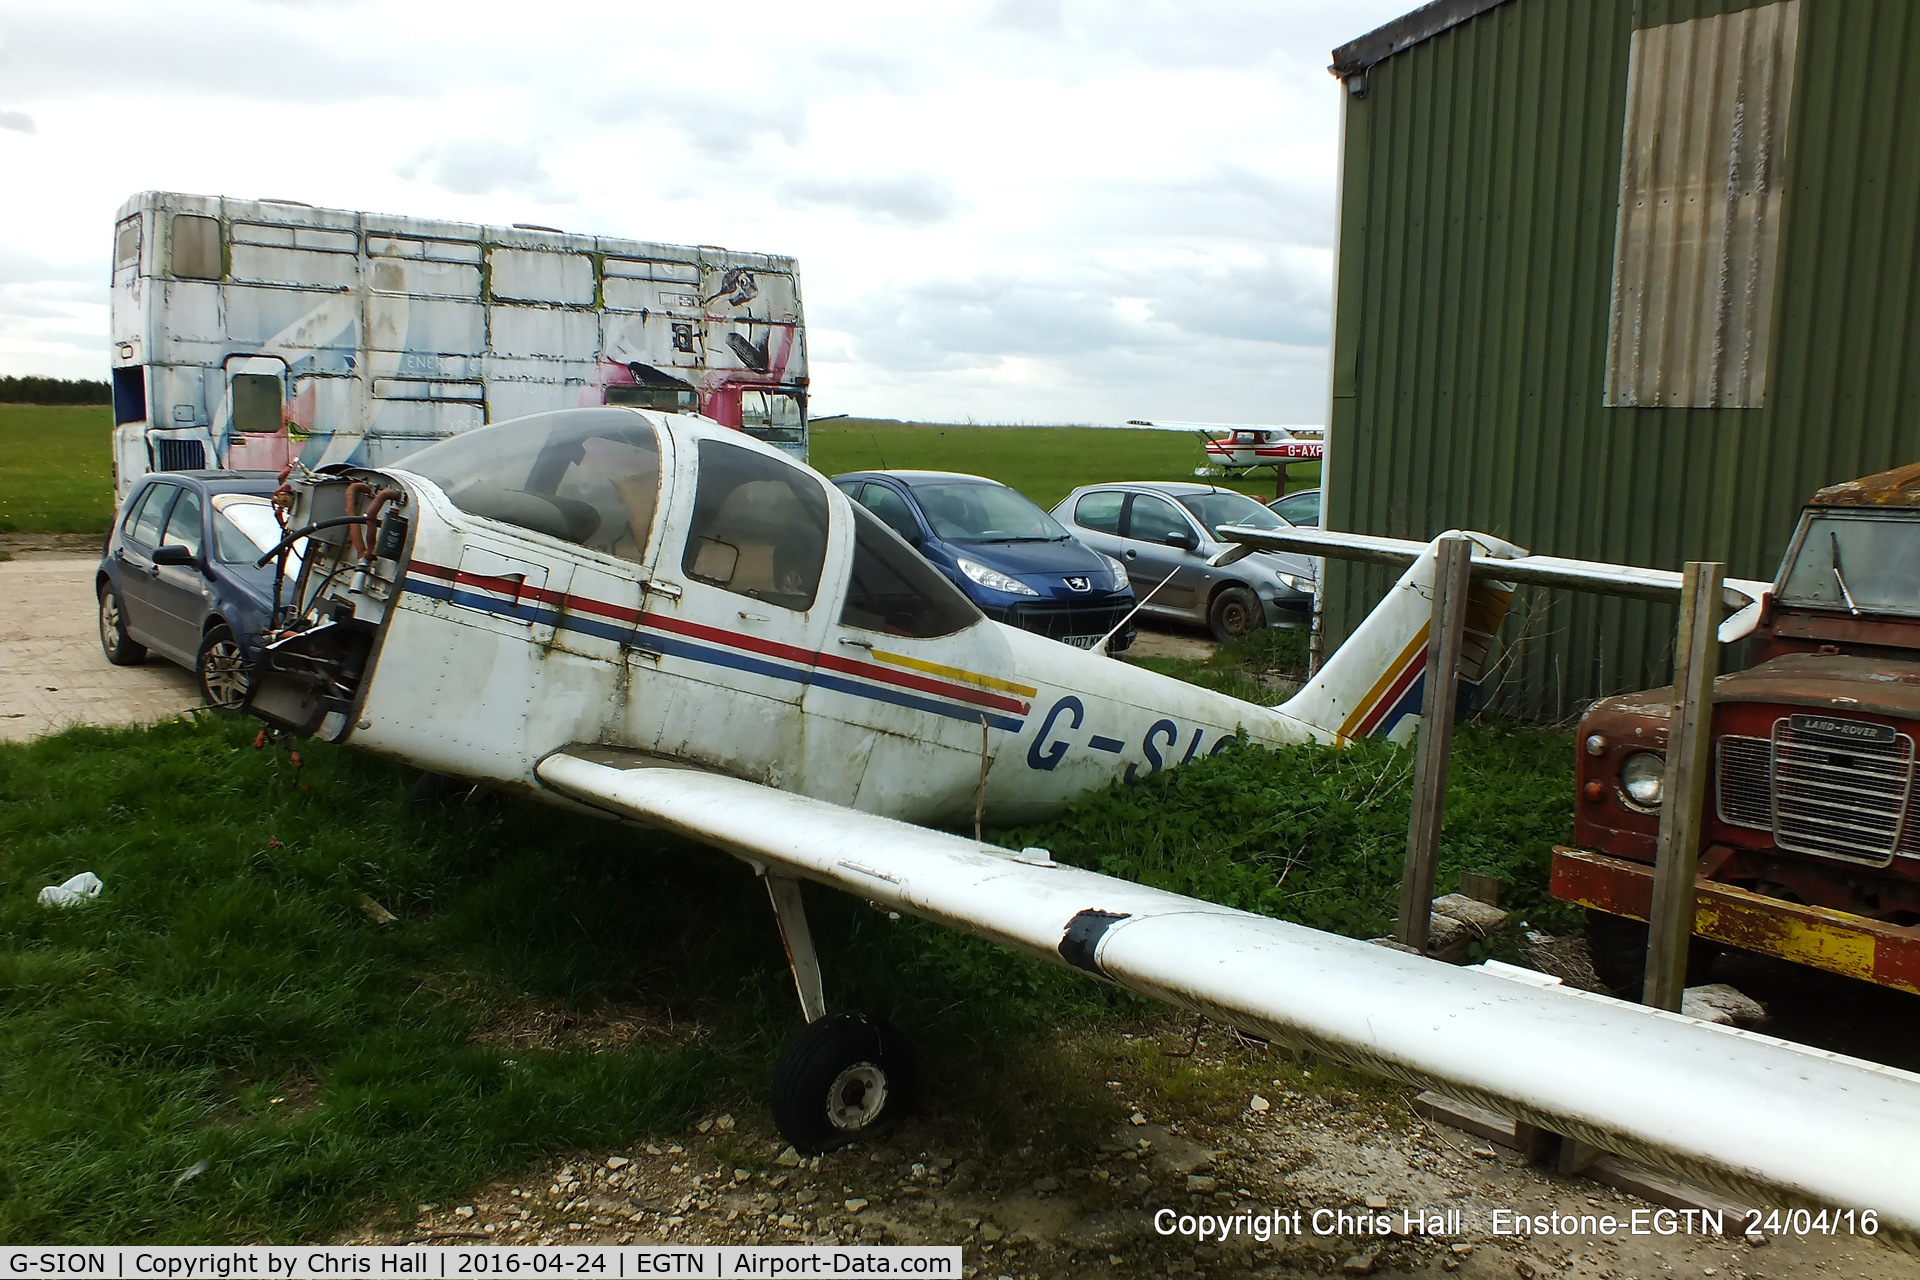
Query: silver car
1164,533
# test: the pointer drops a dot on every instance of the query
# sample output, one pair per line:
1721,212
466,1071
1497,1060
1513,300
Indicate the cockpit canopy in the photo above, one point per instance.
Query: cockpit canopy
590,476
758,528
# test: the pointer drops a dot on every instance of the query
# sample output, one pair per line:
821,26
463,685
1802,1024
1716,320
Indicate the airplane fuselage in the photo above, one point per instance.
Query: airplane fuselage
498,644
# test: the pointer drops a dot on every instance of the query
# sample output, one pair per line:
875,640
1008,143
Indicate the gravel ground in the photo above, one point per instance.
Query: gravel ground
1038,1212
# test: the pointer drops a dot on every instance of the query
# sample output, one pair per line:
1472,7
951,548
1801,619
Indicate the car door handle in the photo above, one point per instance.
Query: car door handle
1130,554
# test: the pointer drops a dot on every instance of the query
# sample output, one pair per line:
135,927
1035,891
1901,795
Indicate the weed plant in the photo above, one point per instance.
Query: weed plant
228,1006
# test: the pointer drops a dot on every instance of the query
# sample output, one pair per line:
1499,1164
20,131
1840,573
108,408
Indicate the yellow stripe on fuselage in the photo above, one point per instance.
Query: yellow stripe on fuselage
1385,681
955,673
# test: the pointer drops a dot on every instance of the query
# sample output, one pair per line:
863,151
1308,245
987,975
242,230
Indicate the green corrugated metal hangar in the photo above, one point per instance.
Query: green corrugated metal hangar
1624,280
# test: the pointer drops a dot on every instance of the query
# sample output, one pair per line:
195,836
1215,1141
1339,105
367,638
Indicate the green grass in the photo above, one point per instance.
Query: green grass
1045,463
56,468
226,1000
56,464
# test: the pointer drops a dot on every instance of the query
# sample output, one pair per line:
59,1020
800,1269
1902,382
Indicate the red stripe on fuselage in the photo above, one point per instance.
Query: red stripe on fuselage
730,639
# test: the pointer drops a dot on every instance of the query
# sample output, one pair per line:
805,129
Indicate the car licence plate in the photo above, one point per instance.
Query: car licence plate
1080,642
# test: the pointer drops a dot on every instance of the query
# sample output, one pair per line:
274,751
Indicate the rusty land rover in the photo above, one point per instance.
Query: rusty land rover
1811,838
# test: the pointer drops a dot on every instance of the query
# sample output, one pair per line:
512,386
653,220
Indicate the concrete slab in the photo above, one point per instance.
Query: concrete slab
52,672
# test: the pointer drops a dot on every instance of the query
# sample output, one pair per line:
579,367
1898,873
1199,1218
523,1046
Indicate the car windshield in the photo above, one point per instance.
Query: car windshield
1856,562
1223,506
245,528
1301,508
981,511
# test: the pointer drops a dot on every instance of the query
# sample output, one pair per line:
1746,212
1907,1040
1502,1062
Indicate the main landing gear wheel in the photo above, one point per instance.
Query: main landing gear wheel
846,1077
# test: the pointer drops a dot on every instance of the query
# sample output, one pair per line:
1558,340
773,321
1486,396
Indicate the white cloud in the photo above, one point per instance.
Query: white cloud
1013,210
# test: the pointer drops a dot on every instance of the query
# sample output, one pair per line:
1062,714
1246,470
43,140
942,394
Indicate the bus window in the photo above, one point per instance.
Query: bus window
196,247
773,416
257,399
126,244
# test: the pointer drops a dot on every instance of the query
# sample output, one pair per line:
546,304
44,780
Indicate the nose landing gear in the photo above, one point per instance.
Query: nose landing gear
847,1076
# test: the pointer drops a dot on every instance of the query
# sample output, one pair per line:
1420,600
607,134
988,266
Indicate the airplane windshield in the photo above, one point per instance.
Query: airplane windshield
590,476
973,511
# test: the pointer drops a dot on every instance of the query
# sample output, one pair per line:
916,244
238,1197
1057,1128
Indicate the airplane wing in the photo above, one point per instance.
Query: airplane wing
1744,596
1749,1114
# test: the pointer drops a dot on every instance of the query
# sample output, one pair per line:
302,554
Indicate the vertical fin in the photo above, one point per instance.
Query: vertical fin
1374,683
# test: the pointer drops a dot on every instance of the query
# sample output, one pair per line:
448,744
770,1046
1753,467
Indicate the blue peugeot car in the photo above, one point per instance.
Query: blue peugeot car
1011,558
177,576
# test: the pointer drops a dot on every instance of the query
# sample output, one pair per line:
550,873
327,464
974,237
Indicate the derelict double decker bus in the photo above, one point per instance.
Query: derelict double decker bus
251,333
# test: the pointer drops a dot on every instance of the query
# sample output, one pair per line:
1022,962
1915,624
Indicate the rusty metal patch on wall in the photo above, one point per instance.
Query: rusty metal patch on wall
1698,234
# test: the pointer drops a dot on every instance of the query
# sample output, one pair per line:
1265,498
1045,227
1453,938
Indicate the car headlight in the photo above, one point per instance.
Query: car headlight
993,579
1643,777
1296,582
1120,579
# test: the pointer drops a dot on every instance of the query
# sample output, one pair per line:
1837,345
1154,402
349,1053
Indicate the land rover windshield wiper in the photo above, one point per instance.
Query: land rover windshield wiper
1840,576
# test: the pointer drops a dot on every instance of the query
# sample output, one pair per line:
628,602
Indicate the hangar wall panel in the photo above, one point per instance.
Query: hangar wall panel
1479,203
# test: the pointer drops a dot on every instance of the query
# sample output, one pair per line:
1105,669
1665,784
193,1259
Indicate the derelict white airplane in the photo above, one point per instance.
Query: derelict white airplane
658,619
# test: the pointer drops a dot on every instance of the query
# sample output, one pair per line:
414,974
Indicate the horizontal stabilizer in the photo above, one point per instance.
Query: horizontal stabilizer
1751,1115
1742,598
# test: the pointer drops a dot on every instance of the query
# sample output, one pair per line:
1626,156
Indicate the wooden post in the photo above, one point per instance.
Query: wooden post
1451,586
1684,792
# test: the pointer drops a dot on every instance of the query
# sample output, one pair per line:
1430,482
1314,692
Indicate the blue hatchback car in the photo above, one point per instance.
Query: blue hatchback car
1011,558
177,576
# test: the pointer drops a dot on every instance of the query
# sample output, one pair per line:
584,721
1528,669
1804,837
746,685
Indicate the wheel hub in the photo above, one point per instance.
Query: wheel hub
857,1096
224,674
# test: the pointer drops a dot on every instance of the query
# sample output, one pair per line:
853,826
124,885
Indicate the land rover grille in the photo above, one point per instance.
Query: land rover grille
1818,793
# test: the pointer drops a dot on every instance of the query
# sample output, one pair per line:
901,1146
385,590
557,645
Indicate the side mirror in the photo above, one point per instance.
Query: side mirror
173,553
1184,539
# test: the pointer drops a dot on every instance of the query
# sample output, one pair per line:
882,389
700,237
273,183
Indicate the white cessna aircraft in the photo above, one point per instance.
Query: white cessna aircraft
658,619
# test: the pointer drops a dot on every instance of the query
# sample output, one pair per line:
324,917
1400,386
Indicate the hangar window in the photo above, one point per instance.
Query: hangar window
895,591
590,476
1698,230
759,527
196,247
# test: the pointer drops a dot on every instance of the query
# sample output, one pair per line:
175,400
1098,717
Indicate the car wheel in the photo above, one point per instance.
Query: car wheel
1234,612
223,669
846,1077
121,649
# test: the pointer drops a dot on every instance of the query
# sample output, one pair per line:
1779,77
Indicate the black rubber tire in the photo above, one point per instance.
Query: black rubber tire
1234,612
121,649
833,1067
1618,946
222,670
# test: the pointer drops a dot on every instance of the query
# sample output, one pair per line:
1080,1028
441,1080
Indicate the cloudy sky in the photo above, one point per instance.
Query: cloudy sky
1005,211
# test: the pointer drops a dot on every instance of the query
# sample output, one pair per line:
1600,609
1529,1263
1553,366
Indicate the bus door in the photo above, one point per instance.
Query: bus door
253,416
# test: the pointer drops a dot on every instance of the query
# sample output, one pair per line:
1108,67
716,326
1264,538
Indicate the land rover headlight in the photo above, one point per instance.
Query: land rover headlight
1119,572
993,579
1643,777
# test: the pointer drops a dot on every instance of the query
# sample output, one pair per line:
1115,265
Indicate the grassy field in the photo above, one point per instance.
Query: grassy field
1045,463
56,468
554,982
